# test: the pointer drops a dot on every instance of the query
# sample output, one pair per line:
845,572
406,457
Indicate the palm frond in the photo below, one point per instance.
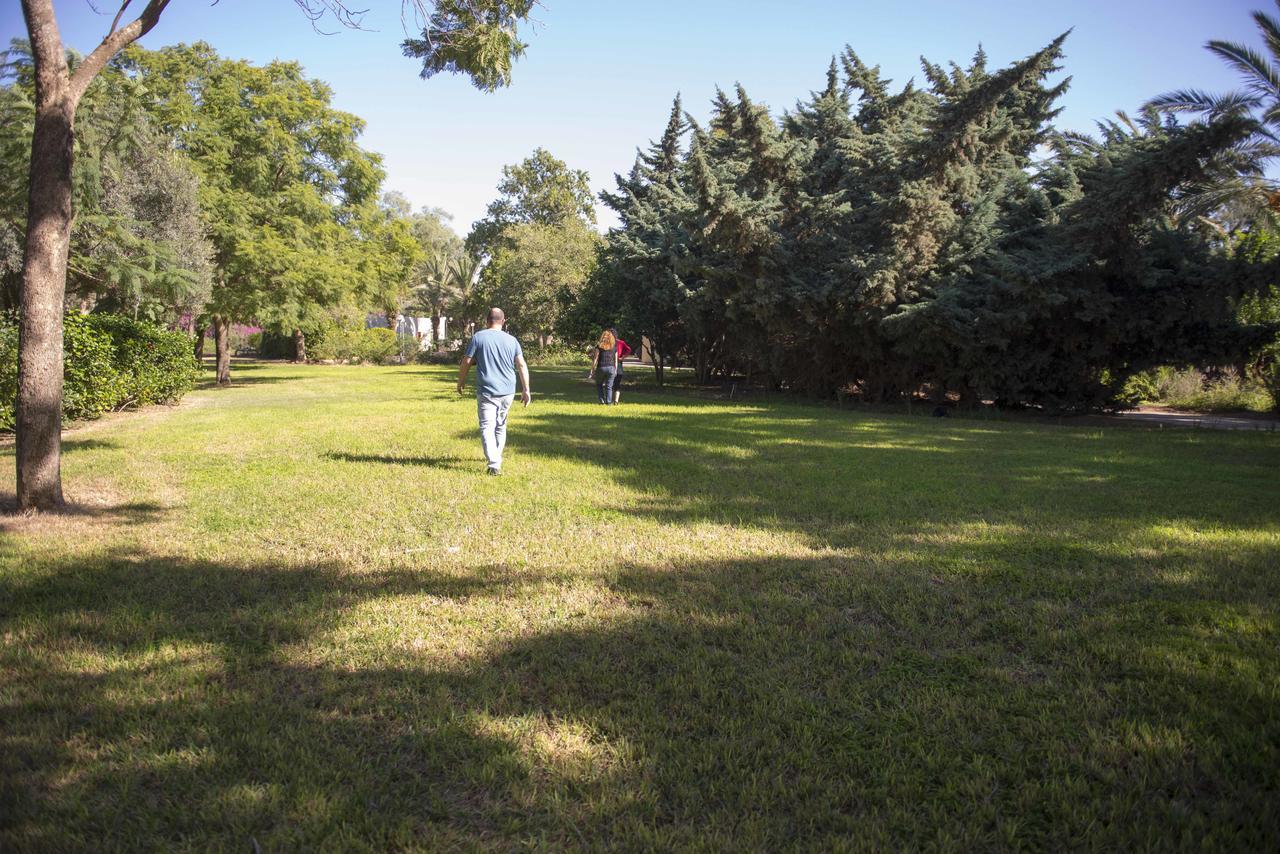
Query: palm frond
1260,75
1199,101
1270,29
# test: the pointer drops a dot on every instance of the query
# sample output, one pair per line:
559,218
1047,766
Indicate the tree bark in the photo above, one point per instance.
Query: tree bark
221,328
435,330
38,416
38,422
299,346
198,344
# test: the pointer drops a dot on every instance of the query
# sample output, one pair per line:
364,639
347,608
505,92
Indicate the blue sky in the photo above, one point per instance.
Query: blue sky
600,74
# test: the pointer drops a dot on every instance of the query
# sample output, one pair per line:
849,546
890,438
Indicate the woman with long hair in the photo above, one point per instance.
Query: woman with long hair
604,362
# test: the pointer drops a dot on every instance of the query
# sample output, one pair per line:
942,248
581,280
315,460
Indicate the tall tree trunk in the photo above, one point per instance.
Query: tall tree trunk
221,336
38,422
198,344
435,329
299,346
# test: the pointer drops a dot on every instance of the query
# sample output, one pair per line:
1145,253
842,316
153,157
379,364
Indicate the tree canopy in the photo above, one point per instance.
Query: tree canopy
290,198
540,189
138,243
885,242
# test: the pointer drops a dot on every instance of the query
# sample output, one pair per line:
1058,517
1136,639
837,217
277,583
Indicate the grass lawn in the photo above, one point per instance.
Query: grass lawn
295,613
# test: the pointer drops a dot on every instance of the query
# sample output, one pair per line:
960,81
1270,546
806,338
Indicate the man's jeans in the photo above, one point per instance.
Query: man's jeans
604,384
493,425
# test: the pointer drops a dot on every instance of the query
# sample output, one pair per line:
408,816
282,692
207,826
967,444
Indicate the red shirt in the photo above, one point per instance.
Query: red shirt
623,349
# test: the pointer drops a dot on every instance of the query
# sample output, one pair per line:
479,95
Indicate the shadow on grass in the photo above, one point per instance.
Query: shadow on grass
241,382
988,661
400,460
129,513
837,479
71,446
756,704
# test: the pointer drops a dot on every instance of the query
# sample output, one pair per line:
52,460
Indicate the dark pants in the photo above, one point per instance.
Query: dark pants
617,380
604,383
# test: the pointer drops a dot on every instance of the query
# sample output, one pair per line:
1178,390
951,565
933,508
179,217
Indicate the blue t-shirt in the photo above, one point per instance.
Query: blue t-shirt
494,353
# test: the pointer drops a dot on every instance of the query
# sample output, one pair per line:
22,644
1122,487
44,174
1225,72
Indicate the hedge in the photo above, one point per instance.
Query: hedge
110,362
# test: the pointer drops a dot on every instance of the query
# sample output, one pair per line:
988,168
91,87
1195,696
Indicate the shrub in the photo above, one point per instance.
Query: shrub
1139,388
450,356
1225,394
1271,381
1190,389
91,382
1174,385
8,370
109,362
330,344
337,344
558,354
377,345
155,365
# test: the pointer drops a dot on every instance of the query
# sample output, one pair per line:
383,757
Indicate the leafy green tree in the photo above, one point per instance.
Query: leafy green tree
474,37
899,242
540,189
137,245
289,196
538,271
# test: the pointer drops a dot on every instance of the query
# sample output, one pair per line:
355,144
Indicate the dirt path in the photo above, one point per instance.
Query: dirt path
1163,417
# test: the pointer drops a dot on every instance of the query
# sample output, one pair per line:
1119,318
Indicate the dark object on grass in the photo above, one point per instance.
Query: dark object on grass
940,412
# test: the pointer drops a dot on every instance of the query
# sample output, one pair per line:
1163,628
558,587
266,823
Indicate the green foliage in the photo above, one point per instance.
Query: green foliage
290,198
557,354
912,242
8,370
478,38
153,365
1191,389
91,380
1237,193
378,345
538,272
540,189
110,362
1226,394
1271,382
138,245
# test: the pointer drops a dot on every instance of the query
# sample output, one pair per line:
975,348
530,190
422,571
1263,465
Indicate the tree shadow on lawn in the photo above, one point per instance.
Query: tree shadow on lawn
244,382
841,481
401,460
766,703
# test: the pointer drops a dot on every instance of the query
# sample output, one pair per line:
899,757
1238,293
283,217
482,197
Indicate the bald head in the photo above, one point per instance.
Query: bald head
496,317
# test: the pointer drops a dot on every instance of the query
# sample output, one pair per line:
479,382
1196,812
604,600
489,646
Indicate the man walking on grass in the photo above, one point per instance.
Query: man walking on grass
496,356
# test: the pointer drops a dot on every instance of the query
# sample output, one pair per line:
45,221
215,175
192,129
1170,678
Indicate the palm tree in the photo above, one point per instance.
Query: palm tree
448,287
466,271
1234,193
430,297
1237,191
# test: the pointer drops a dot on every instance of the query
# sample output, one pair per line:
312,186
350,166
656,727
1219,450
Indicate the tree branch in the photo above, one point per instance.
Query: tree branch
115,22
112,44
